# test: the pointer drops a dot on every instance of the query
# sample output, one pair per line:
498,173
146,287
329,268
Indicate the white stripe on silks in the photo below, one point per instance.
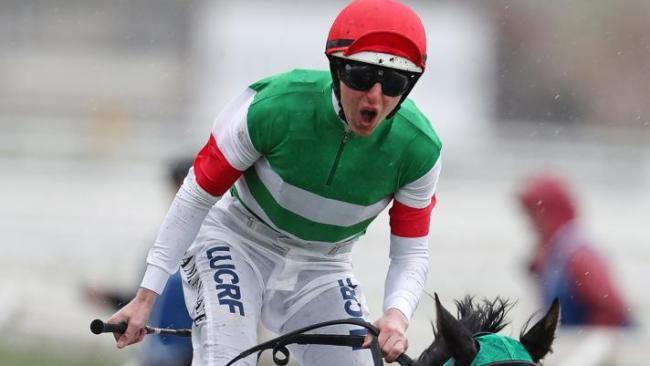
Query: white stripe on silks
247,198
418,193
231,132
312,206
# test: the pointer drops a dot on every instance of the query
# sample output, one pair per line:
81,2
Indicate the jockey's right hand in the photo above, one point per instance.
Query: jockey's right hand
135,314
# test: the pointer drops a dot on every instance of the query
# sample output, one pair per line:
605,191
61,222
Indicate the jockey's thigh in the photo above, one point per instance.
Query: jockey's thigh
223,294
343,300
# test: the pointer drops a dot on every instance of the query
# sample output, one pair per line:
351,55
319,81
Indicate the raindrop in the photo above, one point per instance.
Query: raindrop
557,96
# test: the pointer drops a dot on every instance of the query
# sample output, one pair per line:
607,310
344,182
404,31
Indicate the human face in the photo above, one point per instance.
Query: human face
365,110
362,76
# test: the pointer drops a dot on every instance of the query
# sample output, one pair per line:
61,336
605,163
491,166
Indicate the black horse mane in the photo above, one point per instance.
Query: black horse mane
476,316
485,316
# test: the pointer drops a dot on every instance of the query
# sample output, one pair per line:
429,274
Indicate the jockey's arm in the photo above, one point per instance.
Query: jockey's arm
409,242
217,166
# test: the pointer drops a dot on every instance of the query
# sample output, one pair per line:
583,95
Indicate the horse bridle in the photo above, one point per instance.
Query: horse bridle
279,345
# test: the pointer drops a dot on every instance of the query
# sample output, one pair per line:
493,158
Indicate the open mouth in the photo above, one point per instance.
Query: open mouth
368,115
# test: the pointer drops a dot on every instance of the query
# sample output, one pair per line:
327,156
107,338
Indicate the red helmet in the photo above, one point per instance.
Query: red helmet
383,32
549,202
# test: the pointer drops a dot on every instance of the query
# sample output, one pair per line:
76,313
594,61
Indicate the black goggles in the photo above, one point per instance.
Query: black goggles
361,76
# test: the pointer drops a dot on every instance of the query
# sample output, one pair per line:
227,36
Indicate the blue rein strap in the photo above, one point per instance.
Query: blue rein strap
279,344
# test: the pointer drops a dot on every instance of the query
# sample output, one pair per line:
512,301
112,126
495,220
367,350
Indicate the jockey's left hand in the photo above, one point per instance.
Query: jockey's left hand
392,334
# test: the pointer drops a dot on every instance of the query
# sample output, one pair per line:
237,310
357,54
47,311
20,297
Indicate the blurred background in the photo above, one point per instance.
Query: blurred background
98,97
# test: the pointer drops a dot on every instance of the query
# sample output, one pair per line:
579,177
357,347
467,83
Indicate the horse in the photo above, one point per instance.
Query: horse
473,339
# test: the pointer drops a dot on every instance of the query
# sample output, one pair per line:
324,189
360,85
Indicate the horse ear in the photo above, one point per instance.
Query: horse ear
539,338
458,339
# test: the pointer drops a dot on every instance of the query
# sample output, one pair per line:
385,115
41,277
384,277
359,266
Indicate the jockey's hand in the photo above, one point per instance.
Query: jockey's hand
135,314
392,334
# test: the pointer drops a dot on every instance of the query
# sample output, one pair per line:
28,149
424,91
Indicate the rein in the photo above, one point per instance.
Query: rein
279,344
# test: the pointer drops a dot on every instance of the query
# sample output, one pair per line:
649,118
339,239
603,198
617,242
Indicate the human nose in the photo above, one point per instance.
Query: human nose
375,91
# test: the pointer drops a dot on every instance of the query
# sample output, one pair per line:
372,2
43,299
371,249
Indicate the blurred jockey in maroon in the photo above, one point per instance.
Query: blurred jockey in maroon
564,262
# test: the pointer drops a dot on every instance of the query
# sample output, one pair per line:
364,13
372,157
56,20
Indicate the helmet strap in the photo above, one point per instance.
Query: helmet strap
336,86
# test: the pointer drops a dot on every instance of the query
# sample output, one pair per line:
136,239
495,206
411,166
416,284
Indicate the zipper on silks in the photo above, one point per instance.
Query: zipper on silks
346,137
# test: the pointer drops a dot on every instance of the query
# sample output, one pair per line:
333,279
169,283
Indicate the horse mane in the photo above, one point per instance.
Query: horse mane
476,316
485,316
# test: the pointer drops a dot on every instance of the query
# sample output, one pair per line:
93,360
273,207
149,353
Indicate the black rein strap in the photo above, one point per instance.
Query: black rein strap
279,344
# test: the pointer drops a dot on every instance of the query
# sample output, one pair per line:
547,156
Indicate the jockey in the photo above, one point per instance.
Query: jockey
295,169
564,261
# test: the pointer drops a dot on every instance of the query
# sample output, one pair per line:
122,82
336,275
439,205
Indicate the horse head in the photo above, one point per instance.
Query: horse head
473,339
